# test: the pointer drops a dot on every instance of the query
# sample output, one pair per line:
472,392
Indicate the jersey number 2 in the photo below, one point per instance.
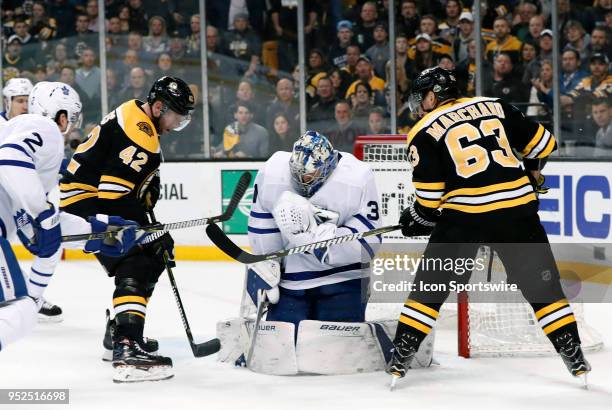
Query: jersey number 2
127,156
472,159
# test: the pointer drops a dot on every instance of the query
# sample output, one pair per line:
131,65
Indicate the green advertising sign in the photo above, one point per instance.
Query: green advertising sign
238,223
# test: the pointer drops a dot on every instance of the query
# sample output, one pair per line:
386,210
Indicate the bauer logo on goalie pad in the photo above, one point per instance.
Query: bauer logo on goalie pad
341,329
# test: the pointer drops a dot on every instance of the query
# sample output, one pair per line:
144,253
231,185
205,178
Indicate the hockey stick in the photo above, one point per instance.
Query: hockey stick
221,240
262,302
241,187
199,349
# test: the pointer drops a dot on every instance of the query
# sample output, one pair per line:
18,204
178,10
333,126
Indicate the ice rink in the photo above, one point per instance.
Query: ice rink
68,355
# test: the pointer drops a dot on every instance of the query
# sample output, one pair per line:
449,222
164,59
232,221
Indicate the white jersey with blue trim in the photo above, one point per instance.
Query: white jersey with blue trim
349,191
31,152
3,117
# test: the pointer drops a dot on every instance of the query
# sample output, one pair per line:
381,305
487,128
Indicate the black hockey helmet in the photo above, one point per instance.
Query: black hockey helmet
173,92
436,79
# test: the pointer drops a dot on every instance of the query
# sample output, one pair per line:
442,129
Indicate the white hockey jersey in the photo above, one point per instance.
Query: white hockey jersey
31,152
349,191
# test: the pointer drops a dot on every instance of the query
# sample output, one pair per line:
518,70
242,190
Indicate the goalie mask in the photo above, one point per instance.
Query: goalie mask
312,162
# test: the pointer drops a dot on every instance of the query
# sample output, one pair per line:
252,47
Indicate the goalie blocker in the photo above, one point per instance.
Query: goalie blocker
320,347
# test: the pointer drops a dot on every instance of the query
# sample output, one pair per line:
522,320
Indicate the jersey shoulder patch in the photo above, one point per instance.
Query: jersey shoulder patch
137,126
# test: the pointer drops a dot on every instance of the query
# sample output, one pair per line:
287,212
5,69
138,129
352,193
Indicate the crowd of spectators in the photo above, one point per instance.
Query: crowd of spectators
253,70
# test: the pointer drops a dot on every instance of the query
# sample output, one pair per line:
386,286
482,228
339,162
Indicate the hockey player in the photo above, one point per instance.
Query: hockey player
31,151
312,194
115,170
470,189
15,93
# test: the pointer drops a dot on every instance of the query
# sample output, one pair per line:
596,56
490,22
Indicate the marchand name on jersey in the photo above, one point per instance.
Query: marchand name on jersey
470,112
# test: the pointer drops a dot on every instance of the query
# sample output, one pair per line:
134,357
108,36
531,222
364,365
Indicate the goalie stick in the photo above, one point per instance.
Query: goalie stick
221,240
199,349
241,187
262,302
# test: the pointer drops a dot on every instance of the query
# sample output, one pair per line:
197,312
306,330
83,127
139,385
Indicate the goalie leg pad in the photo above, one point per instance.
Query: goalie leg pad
348,348
274,351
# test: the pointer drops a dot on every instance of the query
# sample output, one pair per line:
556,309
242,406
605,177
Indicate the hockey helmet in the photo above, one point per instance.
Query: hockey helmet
175,94
50,98
312,161
13,88
436,79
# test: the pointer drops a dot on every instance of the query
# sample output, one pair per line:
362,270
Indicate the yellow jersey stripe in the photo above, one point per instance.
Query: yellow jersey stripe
551,308
549,148
427,203
133,312
111,195
432,186
477,209
414,324
534,141
129,299
77,198
117,180
559,323
422,308
487,189
78,185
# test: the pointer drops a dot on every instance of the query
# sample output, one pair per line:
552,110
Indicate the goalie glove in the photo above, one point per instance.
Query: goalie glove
414,222
294,216
325,215
264,275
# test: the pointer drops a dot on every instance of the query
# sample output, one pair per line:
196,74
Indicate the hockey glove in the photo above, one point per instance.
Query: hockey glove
41,236
414,223
538,183
264,276
117,245
150,195
162,245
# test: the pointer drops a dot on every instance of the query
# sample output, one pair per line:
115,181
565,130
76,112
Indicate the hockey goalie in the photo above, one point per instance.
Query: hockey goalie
316,302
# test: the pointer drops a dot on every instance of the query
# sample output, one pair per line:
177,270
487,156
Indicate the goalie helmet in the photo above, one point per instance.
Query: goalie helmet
312,161
13,88
436,79
49,98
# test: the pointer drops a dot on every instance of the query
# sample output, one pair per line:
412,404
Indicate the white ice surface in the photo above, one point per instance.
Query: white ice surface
67,355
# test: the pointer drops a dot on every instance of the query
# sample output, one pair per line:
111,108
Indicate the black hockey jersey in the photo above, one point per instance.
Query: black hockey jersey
111,169
465,158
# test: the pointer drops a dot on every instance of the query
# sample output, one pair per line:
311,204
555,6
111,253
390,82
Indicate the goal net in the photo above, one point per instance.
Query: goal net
484,329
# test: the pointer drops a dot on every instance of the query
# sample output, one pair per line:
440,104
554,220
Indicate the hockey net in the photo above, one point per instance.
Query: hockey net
505,328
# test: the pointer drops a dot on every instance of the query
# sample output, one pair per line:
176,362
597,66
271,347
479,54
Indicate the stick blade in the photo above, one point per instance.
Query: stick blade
241,187
206,348
220,239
